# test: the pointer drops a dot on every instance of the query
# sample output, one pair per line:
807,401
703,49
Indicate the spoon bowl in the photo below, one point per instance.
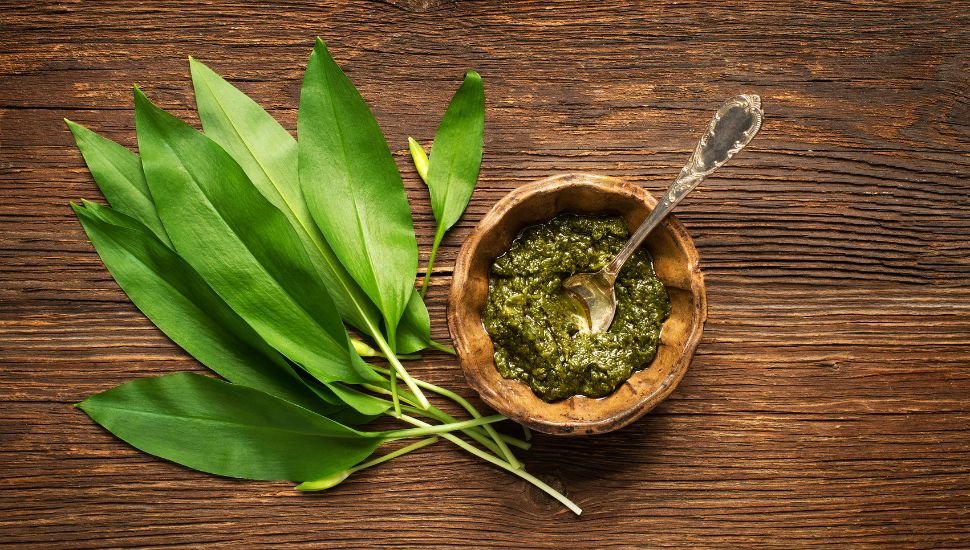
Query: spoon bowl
597,298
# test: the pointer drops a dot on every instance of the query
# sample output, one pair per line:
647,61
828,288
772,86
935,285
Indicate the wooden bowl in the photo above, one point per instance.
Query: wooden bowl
675,260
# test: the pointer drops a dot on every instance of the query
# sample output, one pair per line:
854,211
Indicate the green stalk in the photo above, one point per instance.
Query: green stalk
420,158
461,401
476,433
334,479
506,466
423,402
435,413
515,442
439,234
442,347
396,453
395,398
506,452
429,429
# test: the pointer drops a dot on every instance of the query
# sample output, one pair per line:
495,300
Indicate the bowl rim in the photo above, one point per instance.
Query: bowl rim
643,402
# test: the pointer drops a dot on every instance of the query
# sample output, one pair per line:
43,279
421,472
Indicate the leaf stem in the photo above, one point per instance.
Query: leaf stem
436,429
476,433
480,433
441,347
395,398
423,402
506,452
396,453
461,401
506,466
435,413
439,234
334,479
516,442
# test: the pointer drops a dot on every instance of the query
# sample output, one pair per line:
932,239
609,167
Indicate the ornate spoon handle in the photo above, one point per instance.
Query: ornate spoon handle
733,126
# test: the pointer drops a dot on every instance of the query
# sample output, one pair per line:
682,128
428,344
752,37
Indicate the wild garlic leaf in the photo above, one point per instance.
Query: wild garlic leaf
415,330
353,188
361,402
118,173
456,154
456,157
174,297
226,429
268,155
184,307
261,146
241,245
344,407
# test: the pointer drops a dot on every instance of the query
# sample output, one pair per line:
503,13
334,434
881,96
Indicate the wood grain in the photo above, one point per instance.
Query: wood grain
828,403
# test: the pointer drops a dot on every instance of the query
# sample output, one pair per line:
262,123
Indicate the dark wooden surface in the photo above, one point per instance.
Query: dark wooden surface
829,400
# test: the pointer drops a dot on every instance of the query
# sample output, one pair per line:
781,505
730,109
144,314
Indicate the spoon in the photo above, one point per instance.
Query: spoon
733,126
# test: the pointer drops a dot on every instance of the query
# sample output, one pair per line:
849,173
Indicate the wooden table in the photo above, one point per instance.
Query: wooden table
829,401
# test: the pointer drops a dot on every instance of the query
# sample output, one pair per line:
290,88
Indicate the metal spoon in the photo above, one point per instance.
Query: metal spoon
733,126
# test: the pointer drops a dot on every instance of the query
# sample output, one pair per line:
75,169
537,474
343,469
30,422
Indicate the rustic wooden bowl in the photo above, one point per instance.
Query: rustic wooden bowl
675,260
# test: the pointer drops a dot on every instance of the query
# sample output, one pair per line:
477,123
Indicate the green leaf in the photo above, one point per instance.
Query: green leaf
456,157
118,173
170,293
242,245
363,403
263,148
456,154
353,188
415,331
225,429
183,306
335,407
268,155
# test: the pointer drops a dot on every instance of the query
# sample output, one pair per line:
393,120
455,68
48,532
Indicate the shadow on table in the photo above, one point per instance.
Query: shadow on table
586,468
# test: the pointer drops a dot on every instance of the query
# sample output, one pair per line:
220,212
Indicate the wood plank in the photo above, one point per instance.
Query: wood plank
828,401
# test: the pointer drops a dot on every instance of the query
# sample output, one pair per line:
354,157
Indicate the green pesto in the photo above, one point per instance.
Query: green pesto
538,335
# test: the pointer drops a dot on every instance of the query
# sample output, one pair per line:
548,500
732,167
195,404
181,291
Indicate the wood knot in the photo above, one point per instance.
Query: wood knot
415,6
832,364
539,499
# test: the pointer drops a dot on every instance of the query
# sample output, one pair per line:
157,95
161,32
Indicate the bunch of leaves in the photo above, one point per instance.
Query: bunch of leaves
255,252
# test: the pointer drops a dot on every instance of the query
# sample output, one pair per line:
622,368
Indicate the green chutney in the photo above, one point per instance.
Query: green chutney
536,328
